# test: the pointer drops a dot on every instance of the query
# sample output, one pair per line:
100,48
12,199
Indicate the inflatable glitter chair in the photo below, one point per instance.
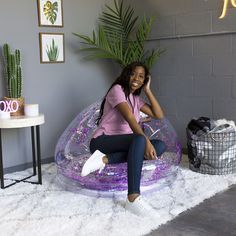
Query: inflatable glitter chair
72,151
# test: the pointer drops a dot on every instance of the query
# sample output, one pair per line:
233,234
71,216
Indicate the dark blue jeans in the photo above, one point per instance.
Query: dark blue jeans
128,148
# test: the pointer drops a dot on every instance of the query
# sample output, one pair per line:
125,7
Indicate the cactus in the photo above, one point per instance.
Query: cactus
12,72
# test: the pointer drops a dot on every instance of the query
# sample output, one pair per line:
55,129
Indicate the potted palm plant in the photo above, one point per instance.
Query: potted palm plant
13,78
121,37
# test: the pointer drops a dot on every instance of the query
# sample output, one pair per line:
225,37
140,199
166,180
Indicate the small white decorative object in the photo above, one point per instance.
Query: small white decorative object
5,114
31,109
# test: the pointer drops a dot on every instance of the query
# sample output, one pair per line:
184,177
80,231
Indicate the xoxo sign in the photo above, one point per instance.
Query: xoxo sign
9,106
226,2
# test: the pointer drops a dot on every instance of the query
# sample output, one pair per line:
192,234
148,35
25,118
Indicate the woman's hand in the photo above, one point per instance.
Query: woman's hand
153,109
147,86
150,152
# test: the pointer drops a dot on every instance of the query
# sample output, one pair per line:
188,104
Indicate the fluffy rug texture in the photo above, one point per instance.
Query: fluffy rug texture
27,209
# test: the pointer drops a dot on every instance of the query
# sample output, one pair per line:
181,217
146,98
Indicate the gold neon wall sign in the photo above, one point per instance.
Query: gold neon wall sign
226,2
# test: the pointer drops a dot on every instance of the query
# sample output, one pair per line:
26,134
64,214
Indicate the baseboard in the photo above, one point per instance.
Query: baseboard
26,165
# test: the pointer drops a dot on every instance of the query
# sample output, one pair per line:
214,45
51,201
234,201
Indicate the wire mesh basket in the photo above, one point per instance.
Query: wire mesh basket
212,153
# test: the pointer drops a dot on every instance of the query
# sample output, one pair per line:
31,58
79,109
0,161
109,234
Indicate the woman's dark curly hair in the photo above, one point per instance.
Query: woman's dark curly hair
123,81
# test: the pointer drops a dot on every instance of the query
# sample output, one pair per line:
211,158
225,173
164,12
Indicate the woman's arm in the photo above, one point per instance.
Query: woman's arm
154,109
125,111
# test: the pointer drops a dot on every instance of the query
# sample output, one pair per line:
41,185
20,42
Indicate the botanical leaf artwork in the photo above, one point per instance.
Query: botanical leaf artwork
52,51
50,11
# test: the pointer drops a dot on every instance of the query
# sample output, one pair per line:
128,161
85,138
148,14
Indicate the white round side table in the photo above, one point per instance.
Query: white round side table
23,122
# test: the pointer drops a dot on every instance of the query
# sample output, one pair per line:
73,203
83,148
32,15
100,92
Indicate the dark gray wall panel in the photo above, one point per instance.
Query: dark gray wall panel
212,45
224,108
197,23
213,87
224,64
169,87
194,106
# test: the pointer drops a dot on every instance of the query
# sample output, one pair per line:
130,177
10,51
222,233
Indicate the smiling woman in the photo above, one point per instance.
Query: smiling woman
137,78
120,137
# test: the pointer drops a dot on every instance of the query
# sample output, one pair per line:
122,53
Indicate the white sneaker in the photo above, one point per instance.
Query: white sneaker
140,207
93,163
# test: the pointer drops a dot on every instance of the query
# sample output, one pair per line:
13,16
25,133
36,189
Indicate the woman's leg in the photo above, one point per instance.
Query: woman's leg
159,145
135,162
116,147
119,148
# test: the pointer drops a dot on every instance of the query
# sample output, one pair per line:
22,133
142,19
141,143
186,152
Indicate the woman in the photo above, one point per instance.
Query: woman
119,137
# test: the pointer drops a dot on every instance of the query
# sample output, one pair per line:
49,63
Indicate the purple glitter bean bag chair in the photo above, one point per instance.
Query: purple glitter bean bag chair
72,151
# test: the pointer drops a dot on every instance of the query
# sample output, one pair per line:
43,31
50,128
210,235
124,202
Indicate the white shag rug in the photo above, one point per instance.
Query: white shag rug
38,210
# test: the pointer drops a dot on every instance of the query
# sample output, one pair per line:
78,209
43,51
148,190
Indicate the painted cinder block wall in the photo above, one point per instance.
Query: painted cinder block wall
196,76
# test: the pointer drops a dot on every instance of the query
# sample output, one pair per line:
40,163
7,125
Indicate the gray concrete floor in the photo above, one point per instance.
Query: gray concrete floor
213,217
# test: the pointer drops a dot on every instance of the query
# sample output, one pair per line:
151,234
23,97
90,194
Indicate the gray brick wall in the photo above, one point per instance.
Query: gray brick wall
196,76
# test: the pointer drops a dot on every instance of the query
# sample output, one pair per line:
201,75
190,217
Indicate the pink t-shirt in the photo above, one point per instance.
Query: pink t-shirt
112,122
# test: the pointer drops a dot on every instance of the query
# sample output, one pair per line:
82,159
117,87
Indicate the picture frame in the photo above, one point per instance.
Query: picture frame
50,13
52,48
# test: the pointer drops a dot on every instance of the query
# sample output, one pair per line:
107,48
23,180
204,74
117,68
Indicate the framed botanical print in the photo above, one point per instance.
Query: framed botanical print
50,13
52,47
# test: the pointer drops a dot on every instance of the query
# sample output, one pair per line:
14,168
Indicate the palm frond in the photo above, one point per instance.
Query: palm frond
86,39
100,47
118,20
121,36
150,58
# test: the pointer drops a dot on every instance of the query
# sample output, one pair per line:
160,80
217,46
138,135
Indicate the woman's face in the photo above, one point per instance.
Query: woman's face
137,78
